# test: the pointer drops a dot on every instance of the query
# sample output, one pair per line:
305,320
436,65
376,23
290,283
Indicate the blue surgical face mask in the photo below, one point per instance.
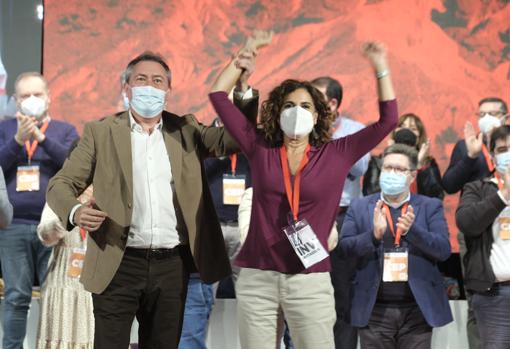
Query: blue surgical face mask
392,183
147,101
502,161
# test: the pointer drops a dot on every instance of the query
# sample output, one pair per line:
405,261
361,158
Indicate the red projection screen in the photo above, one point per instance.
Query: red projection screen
445,55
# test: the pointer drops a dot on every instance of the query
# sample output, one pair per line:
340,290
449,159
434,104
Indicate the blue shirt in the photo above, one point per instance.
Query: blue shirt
352,187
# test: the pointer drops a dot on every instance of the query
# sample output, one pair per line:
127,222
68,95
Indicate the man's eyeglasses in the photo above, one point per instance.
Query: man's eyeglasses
491,113
398,170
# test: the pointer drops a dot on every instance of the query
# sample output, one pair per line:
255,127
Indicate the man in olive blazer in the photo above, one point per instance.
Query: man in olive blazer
104,158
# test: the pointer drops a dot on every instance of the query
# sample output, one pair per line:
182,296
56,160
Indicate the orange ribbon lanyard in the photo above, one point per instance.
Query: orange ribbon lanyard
488,159
293,195
233,163
32,147
500,180
389,219
83,233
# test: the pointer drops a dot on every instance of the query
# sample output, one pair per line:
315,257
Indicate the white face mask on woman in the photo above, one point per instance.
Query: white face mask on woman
296,122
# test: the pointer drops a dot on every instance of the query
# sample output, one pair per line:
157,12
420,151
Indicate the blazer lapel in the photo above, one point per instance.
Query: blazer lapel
173,143
121,135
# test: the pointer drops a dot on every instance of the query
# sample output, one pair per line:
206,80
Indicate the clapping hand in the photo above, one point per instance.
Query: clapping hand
405,221
474,142
26,128
380,223
423,154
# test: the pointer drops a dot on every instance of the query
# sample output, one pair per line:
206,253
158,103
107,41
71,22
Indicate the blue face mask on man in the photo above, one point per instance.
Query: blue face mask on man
502,161
392,183
147,101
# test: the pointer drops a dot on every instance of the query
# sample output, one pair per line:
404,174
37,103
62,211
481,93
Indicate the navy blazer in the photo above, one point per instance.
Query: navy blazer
427,243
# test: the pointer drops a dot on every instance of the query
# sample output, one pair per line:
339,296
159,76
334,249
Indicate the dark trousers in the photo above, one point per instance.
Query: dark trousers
471,327
152,288
492,311
346,336
396,328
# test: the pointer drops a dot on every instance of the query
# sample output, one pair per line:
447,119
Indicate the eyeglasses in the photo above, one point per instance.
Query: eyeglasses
398,170
491,113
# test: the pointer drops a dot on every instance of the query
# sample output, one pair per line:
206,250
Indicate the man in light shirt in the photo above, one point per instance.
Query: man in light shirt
483,216
341,272
152,220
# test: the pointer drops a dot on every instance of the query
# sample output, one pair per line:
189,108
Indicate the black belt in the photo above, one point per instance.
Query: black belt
228,221
152,253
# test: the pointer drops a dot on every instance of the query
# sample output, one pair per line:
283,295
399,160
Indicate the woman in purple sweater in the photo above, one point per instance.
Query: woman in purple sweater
297,175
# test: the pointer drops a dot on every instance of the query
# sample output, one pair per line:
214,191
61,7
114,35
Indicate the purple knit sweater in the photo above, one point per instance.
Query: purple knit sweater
266,246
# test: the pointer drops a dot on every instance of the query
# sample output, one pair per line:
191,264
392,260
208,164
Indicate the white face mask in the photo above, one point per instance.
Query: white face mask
296,122
147,101
487,123
33,106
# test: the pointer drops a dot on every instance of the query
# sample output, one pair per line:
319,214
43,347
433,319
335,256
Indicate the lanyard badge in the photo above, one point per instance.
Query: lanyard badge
233,185
76,262
300,234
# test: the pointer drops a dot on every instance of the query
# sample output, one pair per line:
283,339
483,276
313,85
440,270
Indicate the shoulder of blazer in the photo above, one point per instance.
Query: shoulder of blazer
173,121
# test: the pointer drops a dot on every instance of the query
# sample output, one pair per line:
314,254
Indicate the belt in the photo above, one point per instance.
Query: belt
229,222
152,253
504,283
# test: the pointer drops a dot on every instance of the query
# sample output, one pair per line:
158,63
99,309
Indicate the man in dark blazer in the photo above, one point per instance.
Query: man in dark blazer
396,230
152,220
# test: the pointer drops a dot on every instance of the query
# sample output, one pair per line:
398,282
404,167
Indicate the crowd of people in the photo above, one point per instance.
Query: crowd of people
323,244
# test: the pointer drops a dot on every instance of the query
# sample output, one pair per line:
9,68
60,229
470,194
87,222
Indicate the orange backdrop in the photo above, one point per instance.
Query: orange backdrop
444,55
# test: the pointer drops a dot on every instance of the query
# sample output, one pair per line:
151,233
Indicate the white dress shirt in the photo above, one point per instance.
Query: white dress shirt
154,222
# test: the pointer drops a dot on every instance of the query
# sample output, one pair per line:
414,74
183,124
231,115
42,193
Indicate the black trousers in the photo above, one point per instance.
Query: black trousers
392,327
342,271
150,287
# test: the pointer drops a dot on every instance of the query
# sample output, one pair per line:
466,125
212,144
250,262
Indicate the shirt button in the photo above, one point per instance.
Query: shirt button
129,205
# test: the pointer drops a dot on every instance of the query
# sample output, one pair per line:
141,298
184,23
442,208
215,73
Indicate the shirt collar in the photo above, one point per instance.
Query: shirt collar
136,126
397,205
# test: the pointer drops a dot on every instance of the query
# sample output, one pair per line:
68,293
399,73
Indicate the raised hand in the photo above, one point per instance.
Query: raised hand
405,221
474,142
88,218
423,154
257,40
380,223
376,54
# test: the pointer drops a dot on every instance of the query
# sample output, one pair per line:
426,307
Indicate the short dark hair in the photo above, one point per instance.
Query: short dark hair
410,152
147,56
499,133
504,107
333,88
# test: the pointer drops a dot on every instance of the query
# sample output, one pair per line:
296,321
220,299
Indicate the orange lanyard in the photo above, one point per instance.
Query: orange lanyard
488,159
32,147
398,234
83,233
500,181
293,195
233,163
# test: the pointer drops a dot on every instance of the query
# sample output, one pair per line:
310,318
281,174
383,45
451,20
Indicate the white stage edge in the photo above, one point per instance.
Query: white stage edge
223,327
